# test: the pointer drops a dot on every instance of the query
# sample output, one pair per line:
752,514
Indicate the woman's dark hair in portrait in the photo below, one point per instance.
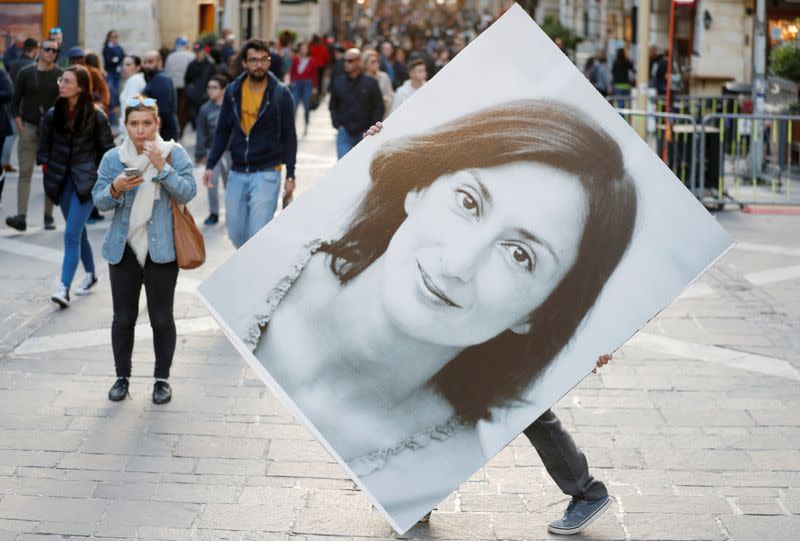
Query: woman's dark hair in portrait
497,372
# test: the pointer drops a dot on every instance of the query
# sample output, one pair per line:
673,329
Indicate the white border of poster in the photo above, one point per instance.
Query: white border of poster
673,241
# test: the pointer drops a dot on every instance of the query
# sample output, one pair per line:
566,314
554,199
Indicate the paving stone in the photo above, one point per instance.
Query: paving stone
134,513
275,496
196,493
759,506
492,503
749,528
51,509
704,459
115,531
81,461
112,443
784,460
161,464
776,417
675,504
115,490
60,487
244,517
227,466
306,469
680,415
64,528
17,526
38,440
673,527
343,521
298,451
221,447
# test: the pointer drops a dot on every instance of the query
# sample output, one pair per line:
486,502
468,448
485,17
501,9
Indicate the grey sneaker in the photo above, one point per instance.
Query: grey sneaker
578,516
88,283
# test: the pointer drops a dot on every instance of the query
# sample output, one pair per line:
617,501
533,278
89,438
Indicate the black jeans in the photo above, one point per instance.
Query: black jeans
562,459
159,281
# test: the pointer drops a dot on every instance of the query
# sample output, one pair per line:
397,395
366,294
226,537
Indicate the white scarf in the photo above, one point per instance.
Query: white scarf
146,194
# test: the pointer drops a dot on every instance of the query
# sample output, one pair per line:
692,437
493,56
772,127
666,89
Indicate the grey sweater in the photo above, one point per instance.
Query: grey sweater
206,126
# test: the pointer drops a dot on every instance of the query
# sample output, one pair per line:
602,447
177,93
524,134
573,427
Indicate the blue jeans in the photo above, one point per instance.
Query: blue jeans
76,242
345,141
625,93
250,202
221,171
9,142
301,90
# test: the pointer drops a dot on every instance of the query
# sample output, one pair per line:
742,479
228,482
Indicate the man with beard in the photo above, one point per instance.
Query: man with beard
160,88
257,119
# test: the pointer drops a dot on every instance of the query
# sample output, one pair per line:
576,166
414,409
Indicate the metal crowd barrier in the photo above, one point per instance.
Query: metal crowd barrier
729,172
696,106
672,136
714,156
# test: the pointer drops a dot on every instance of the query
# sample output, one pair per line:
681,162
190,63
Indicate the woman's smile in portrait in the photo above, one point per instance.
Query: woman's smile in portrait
480,250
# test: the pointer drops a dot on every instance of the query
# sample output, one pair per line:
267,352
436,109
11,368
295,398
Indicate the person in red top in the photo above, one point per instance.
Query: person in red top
319,52
303,76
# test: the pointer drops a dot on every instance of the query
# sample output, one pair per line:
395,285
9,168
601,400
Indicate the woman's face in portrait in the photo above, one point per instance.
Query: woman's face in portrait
480,249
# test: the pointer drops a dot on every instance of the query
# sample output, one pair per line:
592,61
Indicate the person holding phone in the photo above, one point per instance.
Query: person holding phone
138,181
73,136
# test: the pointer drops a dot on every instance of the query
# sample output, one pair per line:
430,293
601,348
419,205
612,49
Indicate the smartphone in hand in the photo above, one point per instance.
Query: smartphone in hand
132,172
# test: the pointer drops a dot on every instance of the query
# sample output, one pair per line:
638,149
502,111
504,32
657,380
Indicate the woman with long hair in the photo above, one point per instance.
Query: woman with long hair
473,257
303,78
371,64
138,181
100,89
73,136
133,83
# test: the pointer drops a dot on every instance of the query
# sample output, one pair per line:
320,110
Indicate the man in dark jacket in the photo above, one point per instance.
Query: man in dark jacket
257,120
160,88
28,57
356,103
196,78
35,91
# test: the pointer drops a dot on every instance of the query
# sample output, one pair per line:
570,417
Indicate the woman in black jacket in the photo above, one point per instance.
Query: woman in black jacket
73,136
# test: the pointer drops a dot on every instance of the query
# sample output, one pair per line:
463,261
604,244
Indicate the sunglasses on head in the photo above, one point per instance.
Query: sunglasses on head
147,102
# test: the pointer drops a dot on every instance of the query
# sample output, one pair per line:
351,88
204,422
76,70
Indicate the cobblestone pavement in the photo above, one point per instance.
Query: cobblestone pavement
694,426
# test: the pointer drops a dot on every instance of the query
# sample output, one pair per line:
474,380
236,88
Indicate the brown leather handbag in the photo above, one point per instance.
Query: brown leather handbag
190,248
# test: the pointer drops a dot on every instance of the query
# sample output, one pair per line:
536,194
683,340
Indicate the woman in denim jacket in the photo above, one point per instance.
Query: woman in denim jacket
139,244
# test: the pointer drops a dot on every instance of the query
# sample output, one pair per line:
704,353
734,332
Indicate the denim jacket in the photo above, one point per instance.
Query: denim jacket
177,181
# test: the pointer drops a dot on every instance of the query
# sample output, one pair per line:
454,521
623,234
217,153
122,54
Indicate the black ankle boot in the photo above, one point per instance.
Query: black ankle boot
119,390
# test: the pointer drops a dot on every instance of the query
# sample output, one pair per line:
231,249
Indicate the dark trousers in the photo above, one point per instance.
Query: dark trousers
2,171
562,459
159,281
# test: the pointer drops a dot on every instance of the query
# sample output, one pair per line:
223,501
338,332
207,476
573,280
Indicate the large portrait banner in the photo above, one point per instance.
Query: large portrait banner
455,275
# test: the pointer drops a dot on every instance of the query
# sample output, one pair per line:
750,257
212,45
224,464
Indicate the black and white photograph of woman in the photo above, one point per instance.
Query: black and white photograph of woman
452,273
458,279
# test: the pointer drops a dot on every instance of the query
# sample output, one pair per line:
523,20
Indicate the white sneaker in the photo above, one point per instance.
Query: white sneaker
88,283
60,294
